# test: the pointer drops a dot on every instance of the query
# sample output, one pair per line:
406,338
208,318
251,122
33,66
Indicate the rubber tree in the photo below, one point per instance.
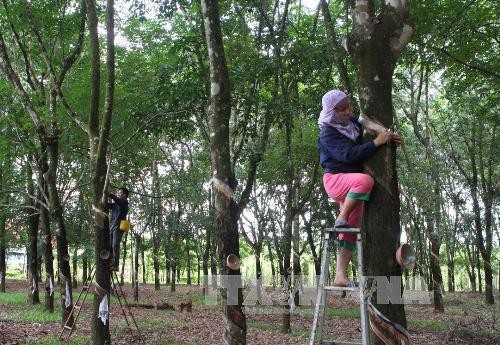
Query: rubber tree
3,220
430,202
48,131
98,132
33,221
375,43
226,211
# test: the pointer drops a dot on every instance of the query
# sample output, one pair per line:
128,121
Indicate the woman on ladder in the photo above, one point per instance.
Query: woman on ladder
342,153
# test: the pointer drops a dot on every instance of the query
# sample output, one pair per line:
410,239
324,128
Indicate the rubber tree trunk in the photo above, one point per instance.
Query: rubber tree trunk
48,255
297,270
226,210
98,133
167,267
198,267
188,263
136,267
437,279
288,225
156,262
471,272
74,261
271,259
206,257
32,254
144,273
174,275
124,259
85,268
156,228
3,220
375,44
56,211
478,267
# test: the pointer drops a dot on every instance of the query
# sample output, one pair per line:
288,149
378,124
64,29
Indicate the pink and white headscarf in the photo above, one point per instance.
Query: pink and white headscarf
329,117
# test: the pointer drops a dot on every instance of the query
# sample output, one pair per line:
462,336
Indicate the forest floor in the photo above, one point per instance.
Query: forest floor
466,320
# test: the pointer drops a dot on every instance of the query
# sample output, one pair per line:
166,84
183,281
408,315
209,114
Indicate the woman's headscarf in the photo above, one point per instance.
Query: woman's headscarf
329,117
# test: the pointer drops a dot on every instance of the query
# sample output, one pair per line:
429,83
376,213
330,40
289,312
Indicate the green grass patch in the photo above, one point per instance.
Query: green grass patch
428,324
301,333
343,313
14,298
75,340
34,314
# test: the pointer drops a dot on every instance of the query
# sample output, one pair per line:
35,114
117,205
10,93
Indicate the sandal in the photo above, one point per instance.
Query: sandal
350,284
341,224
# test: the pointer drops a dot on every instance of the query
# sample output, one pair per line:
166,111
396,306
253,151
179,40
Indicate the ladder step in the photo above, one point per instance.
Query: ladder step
85,287
76,306
344,230
341,288
334,342
68,327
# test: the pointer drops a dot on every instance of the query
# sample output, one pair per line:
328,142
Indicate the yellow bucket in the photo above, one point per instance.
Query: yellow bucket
124,225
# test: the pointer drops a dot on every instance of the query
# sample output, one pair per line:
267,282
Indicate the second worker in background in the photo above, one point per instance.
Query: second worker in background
119,211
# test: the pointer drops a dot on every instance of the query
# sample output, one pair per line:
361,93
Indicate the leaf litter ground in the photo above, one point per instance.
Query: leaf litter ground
466,321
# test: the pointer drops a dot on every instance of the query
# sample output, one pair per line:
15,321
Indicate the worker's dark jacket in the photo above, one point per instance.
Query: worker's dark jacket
339,154
119,210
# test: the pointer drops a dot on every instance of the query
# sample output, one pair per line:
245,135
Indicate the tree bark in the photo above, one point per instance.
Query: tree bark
297,270
48,255
56,211
206,256
32,253
174,275
271,259
3,243
188,263
375,45
226,210
437,279
135,281
98,130
156,227
3,220
124,259
144,273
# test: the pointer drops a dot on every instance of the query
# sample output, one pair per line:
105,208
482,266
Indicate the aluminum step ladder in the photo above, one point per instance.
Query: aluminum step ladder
319,312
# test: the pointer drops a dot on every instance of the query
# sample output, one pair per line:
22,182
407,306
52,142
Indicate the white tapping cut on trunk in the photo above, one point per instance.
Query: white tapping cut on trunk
67,302
371,125
51,285
103,310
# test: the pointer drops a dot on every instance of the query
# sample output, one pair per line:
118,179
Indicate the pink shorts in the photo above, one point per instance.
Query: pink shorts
354,186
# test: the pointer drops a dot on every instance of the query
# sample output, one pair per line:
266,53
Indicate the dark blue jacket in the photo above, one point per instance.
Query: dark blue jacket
119,210
339,154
